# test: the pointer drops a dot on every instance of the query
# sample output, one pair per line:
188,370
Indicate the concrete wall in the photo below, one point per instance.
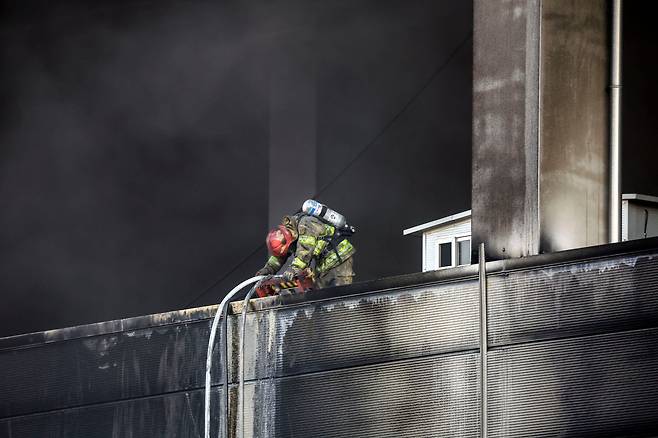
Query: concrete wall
573,135
505,116
539,126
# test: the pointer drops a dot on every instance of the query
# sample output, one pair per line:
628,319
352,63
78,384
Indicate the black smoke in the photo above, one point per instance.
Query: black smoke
134,140
134,159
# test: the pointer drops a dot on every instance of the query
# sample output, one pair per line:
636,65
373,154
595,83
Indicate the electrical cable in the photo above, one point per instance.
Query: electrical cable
226,274
358,156
396,116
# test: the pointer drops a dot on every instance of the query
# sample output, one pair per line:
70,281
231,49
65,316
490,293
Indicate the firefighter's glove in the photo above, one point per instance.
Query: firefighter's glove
263,271
289,275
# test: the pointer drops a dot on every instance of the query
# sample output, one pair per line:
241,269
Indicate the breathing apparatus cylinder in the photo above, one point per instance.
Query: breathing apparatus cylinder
321,211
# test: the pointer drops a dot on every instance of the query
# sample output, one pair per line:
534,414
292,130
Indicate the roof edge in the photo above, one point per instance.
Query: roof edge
460,273
432,224
640,197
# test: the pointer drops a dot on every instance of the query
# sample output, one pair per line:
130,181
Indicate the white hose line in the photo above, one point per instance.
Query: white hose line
222,308
243,323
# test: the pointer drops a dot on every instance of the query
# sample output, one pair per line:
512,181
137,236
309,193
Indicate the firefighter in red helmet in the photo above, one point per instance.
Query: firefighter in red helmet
314,245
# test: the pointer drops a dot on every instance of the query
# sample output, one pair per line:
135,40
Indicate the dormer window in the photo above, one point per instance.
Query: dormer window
446,241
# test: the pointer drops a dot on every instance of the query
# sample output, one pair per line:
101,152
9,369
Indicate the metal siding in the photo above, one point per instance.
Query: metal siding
354,331
103,368
610,294
427,397
177,415
603,386
574,352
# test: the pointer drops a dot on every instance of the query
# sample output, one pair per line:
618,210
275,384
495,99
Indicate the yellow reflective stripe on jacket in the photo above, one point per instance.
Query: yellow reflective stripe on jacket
298,263
319,247
274,262
307,240
328,231
345,250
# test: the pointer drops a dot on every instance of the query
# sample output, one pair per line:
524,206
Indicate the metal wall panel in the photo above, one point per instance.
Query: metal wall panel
601,385
103,368
574,352
360,330
428,397
177,415
604,295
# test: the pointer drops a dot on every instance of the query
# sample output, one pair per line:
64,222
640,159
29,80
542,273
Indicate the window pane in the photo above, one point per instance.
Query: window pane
445,254
464,249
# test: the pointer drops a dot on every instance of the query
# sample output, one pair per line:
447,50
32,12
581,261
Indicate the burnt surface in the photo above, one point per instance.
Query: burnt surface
178,415
427,397
572,341
540,148
354,331
573,299
104,368
603,385
505,120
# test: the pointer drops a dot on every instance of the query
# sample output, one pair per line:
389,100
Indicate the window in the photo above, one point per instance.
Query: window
464,251
445,254
453,251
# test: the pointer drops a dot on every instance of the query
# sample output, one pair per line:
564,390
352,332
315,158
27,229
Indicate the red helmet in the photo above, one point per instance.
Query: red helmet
279,240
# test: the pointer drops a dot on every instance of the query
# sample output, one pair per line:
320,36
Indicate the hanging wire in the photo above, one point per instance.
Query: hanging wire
356,158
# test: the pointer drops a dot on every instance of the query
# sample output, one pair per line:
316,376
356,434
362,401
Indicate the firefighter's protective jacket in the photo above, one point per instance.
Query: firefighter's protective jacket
319,246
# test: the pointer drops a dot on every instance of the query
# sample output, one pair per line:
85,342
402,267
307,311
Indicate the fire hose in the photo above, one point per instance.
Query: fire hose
265,286
221,312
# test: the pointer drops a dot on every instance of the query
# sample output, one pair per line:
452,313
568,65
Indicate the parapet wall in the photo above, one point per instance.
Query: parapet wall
572,351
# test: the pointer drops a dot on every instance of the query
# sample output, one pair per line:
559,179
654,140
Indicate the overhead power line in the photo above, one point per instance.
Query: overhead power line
356,158
394,119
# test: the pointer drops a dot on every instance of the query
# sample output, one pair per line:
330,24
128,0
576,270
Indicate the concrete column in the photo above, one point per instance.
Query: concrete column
292,156
540,123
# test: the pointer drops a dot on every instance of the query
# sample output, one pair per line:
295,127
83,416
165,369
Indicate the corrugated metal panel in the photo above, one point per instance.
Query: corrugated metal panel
177,415
396,359
609,294
603,385
427,397
433,237
361,330
103,368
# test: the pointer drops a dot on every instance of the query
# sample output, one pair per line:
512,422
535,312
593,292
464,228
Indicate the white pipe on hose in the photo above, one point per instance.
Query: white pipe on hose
220,310
243,323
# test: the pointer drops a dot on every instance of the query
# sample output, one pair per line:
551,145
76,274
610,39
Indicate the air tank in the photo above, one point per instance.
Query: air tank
321,211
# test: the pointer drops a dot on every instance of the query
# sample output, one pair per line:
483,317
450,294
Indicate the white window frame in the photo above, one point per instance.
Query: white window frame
453,240
439,242
462,238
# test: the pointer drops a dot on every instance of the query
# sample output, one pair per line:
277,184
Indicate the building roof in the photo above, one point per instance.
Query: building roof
639,197
436,223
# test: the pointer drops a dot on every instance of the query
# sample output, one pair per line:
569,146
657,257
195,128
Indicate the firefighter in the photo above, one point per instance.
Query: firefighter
313,244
